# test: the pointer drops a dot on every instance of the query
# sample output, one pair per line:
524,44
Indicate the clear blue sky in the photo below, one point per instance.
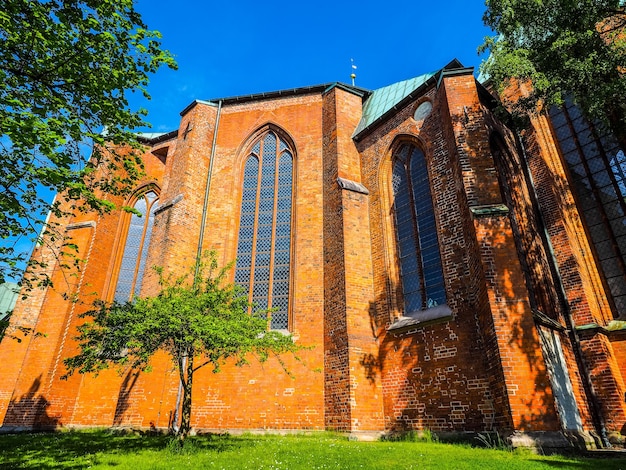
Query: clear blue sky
226,48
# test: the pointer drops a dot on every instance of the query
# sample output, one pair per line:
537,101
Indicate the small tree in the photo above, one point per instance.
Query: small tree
197,323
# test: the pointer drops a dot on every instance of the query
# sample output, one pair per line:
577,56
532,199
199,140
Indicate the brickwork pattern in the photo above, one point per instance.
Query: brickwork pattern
480,369
533,255
431,376
251,397
586,298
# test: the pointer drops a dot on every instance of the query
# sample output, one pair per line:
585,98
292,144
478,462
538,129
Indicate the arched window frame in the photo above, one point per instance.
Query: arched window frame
122,239
415,305
249,261
596,171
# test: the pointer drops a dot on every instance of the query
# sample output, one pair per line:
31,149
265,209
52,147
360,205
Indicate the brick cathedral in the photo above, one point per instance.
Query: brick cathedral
449,274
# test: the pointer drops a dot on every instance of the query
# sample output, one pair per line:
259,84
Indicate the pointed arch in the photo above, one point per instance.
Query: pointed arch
264,247
133,243
417,241
247,145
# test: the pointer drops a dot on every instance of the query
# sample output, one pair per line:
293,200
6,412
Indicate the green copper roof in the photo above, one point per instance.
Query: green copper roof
385,99
9,292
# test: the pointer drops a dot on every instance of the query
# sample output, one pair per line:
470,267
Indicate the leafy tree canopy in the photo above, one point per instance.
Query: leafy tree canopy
197,323
66,70
561,47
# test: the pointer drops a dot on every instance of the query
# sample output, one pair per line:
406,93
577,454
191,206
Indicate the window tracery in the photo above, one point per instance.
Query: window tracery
136,243
264,244
416,231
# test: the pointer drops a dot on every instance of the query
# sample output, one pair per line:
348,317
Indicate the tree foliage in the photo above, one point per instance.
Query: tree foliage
197,323
575,48
67,68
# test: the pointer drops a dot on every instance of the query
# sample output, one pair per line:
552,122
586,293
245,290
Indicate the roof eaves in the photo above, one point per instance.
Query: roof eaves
159,138
278,94
362,92
193,104
273,94
453,72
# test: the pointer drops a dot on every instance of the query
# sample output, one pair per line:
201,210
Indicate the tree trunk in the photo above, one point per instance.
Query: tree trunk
185,425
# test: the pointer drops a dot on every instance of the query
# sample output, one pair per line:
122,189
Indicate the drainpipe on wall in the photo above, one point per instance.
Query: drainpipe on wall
205,207
596,412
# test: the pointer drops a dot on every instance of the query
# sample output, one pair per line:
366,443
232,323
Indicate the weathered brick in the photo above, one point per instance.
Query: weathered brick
482,368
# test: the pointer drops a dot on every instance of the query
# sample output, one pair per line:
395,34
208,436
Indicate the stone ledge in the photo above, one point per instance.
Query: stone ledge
613,327
365,436
535,441
553,440
168,204
352,186
415,320
78,225
490,210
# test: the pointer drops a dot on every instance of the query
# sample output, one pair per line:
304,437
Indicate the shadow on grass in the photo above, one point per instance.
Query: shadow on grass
106,448
79,449
594,463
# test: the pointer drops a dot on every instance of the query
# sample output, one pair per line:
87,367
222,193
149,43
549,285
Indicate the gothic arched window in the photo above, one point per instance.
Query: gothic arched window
416,232
136,247
264,246
597,170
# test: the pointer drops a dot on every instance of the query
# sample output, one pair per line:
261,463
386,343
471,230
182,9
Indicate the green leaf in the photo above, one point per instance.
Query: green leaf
198,319
66,68
574,49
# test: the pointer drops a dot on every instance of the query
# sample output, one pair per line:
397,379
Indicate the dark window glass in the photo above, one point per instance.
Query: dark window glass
416,232
598,170
136,246
264,246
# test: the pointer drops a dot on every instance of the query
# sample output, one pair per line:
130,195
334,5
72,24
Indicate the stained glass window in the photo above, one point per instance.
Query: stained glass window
136,248
416,232
264,246
597,167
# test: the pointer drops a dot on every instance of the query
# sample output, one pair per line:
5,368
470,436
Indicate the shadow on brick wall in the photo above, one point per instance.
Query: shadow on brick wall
450,376
30,410
124,396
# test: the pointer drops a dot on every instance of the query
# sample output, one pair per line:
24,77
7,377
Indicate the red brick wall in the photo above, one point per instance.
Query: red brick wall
480,369
257,396
484,368
618,341
36,363
580,277
336,355
534,255
434,377
353,394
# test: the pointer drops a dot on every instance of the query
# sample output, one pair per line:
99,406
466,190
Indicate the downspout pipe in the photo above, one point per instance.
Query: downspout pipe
205,208
596,411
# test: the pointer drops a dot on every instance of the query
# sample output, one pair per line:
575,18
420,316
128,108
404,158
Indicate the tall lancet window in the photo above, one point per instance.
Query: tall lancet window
416,232
136,248
264,246
597,170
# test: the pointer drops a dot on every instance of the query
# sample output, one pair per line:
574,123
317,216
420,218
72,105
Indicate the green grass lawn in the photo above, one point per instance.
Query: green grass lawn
102,449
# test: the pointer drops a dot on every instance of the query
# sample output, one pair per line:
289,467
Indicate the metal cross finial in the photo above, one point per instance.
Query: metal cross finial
187,130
